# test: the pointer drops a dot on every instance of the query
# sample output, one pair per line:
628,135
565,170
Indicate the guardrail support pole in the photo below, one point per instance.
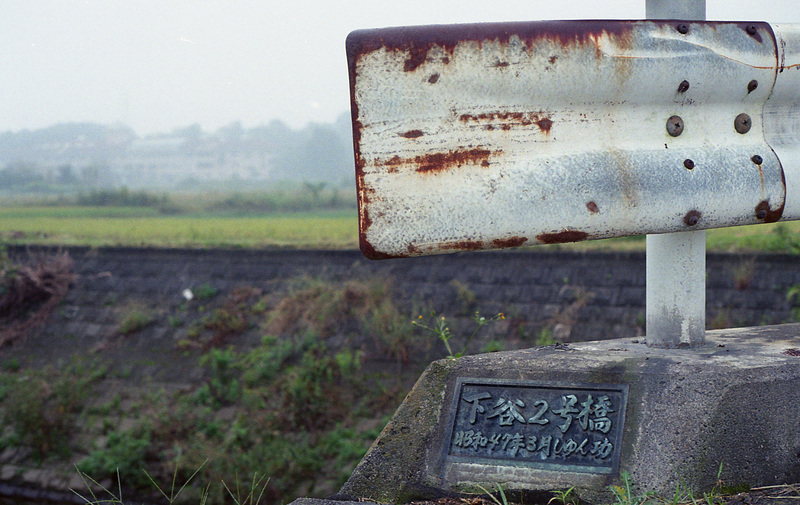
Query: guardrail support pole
676,262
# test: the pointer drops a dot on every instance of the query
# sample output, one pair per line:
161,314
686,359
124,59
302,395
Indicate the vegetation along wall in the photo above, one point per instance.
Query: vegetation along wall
574,296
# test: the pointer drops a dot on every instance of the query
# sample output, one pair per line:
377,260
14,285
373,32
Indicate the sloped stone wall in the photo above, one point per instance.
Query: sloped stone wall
579,296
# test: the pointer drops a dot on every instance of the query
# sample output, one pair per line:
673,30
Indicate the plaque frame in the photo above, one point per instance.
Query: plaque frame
568,388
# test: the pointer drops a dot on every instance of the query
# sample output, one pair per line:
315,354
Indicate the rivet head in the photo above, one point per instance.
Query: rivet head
757,159
683,28
675,126
762,210
742,123
752,85
692,218
683,86
688,163
751,29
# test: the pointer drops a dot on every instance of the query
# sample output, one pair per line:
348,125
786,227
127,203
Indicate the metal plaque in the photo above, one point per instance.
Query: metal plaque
506,134
574,428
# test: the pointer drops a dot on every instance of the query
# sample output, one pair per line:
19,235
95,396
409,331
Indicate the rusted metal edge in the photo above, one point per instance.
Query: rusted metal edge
418,40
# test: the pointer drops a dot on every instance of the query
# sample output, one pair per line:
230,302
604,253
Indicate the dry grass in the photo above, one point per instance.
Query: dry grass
29,292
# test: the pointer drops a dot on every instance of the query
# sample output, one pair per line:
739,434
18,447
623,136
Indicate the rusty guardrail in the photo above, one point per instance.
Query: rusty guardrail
497,135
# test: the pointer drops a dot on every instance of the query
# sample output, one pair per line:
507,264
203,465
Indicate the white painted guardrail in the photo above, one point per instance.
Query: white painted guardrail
495,135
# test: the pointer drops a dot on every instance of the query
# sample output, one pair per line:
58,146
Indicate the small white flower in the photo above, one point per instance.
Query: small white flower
187,293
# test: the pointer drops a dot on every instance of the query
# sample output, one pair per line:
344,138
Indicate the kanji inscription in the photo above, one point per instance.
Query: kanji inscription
573,428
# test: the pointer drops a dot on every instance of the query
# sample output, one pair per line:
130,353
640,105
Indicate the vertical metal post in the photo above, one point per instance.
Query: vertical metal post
676,262
694,10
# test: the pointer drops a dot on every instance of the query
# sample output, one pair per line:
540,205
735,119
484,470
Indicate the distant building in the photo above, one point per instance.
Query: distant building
115,156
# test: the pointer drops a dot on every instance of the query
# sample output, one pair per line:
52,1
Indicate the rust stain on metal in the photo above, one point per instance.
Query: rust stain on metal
357,127
413,134
442,161
433,79
462,245
544,124
436,162
509,242
365,194
417,41
391,162
510,119
562,237
770,216
371,253
417,56
501,64
520,117
593,208
364,222
692,217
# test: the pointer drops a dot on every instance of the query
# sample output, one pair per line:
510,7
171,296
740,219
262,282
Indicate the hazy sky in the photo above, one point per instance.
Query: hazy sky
161,64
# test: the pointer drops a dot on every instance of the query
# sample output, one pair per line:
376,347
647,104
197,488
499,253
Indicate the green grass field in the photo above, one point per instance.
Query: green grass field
334,229
136,226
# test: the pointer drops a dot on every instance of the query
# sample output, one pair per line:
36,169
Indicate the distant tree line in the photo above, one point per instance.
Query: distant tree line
87,155
32,177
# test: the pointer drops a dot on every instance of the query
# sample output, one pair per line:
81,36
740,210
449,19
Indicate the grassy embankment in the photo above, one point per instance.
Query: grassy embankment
299,407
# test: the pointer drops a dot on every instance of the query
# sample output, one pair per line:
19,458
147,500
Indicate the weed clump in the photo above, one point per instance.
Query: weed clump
40,407
225,322
135,320
359,314
440,328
